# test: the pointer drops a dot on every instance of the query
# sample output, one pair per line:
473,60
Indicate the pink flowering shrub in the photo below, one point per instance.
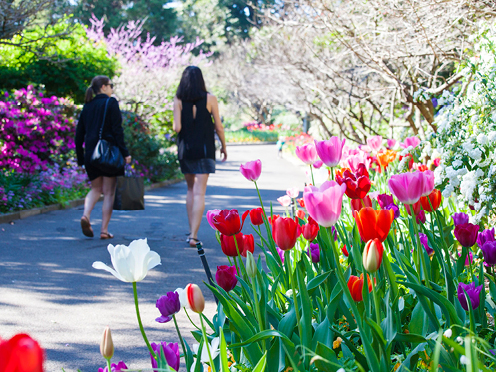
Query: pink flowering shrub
35,131
251,126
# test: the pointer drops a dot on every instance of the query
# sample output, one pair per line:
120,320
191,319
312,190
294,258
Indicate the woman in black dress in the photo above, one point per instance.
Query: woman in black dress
194,108
98,96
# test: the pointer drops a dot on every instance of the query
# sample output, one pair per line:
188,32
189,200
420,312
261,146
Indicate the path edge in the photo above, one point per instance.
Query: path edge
19,215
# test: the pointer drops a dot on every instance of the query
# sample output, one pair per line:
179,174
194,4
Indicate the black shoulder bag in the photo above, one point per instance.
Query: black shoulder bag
107,157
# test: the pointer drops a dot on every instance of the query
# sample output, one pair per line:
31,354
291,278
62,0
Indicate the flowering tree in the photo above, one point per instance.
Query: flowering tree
149,73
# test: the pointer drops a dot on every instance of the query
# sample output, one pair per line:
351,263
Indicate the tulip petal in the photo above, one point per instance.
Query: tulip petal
123,261
101,266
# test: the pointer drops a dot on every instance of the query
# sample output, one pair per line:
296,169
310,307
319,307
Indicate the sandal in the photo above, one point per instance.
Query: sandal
86,227
106,235
193,242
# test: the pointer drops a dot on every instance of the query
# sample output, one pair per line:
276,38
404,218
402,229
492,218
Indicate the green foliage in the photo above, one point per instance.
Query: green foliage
160,22
149,149
64,65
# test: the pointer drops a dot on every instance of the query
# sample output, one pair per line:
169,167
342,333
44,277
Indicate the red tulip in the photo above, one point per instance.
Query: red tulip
229,246
357,184
435,197
301,202
310,230
466,234
416,208
256,216
373,224
344,250
226,277
248,244
355,285
228,222
300,213
372,255
285,231
357,204
21,354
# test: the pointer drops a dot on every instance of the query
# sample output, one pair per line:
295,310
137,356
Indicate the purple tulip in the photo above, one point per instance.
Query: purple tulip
170,351
425,243
489,251
314,252
460,218
384,200
473,293
466,234
121,366
420,217
485,236
394,208
168,305
330,151
226,277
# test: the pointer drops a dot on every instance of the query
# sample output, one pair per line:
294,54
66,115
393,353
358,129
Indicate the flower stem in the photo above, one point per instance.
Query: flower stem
239,256
376,300
287,262
257,309
191,321
207,345
139,322
311,172
180,339
420,251
108,365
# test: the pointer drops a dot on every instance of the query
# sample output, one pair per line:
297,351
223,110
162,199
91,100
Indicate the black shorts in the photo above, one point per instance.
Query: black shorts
199,166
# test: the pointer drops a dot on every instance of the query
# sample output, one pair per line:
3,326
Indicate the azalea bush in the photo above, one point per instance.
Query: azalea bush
35,131
466,136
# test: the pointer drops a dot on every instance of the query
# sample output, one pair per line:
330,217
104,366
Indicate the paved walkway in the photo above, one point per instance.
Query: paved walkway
49,289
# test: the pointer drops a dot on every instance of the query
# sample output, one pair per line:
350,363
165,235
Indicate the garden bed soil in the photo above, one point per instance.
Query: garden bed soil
19,215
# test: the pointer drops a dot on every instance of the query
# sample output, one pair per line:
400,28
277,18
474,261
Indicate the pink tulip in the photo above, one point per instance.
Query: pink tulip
251,170
324,204
391,144
375,143
330,151
307,153
318,164
354,158
428,182
410,141
293,192
407,187
284,200
210,217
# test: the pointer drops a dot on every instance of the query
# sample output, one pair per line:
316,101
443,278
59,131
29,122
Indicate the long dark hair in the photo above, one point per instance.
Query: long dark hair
192,86
96,85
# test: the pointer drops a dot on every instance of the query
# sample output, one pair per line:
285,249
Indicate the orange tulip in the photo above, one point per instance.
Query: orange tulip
386,157
355,285
435,196
373,224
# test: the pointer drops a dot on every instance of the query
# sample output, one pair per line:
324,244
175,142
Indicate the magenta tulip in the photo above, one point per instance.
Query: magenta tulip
210,217
374,143
318,164
324,204
466,234
307,153
226,277
410,141
330,151
251,170
428,183
391,144
407,187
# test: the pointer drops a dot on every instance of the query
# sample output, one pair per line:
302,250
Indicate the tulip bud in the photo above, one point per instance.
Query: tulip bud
372,255
251,265
196,300
107,346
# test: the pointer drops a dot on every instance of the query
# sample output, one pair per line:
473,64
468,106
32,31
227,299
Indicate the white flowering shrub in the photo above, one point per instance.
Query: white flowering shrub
466,136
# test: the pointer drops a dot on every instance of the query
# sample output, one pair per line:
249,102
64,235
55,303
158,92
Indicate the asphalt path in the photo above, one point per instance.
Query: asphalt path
49,289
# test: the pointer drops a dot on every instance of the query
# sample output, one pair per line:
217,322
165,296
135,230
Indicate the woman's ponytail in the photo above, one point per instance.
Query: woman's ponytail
96,85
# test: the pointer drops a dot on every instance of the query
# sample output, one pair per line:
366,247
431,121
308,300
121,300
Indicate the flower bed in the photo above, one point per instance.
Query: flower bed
254,132
391,277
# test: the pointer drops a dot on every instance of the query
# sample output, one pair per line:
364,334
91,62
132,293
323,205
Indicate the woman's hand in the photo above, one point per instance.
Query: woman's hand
224,152
128,159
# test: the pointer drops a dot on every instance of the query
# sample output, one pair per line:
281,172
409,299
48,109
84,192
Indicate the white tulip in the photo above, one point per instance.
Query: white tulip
214,350
183,299
131,264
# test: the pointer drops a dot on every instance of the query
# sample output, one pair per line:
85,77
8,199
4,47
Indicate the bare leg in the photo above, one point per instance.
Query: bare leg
190,181
93,196
199,190
108,201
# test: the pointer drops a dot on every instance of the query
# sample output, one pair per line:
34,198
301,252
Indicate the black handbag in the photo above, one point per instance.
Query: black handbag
107,157
129,194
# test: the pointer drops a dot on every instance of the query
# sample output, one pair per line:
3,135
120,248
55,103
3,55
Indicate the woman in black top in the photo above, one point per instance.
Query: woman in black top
194,108
87,132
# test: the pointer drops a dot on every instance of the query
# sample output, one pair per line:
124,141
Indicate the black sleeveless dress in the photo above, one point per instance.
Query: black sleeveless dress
196,140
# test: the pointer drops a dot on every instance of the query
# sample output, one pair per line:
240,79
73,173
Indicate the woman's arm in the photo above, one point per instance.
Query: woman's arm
80,133
219,128
115,118
176,125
